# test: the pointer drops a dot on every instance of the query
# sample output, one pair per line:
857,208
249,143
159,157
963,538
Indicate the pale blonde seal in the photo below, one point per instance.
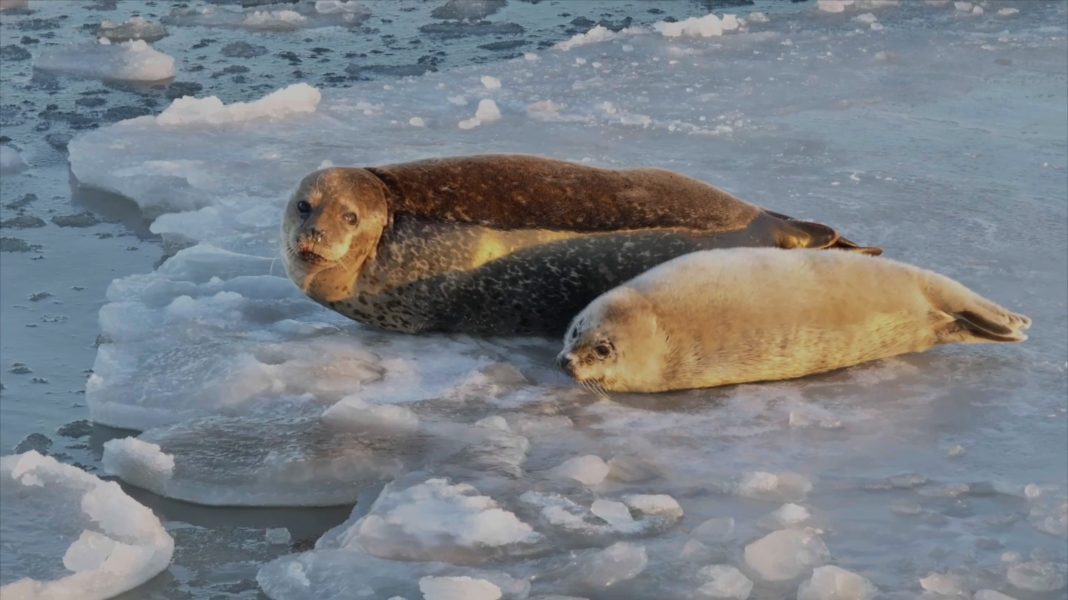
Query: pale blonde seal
737,315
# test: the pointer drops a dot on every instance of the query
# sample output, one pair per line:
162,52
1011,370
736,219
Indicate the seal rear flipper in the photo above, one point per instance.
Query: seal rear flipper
809,234
975,325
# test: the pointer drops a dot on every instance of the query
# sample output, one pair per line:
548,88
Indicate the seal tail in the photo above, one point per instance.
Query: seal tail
974,319
809,234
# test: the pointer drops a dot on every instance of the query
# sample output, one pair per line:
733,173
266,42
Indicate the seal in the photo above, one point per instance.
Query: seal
505,244
739,315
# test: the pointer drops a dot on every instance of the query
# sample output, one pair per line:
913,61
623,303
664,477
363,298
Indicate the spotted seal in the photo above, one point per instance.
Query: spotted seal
505,244
737,315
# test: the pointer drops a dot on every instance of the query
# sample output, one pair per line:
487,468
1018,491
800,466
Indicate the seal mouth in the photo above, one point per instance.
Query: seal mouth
311,257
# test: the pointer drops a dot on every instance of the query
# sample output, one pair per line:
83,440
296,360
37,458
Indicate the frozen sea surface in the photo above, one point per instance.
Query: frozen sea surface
478,470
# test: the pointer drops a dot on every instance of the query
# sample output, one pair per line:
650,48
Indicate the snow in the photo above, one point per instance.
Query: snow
216,354
785,554
133,60
835,583
80,537
724,581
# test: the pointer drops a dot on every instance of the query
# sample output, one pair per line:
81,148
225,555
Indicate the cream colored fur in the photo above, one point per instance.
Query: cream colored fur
753,314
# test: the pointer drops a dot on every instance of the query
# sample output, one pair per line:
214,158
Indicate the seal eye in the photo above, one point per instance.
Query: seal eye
351,218
603,350
303,207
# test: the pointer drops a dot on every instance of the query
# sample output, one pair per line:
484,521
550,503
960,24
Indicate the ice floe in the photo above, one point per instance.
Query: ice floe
79,537
133,60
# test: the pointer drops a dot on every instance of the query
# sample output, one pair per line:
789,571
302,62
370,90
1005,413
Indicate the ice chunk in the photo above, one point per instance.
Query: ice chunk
437,520
724,581
963,6
356,414
417,122
278,535
833,6
787,515
79,537
587,470
991,595
139,462
614,513
946,584
490,82
135,28
709,25
619,562
785,554
351,573
10,160
598,34
294,99
655,504
274,20
283,460
773,486
470,10
1036,576
487,111
758,17
323,13
1008,11
835,583
458,588
714,531
129,61
866,18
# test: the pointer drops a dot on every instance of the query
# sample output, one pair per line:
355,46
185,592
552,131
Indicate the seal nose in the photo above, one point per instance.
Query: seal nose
567,363
314,234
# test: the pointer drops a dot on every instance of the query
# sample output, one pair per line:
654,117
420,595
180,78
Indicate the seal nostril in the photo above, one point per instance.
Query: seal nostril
565,363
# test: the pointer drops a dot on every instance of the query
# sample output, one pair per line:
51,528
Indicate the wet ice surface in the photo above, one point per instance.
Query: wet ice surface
940,137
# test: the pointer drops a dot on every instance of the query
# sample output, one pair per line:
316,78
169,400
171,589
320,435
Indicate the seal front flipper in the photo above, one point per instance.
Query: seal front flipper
795,233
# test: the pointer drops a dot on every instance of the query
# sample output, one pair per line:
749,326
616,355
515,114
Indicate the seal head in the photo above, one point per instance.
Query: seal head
615,341
331,227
